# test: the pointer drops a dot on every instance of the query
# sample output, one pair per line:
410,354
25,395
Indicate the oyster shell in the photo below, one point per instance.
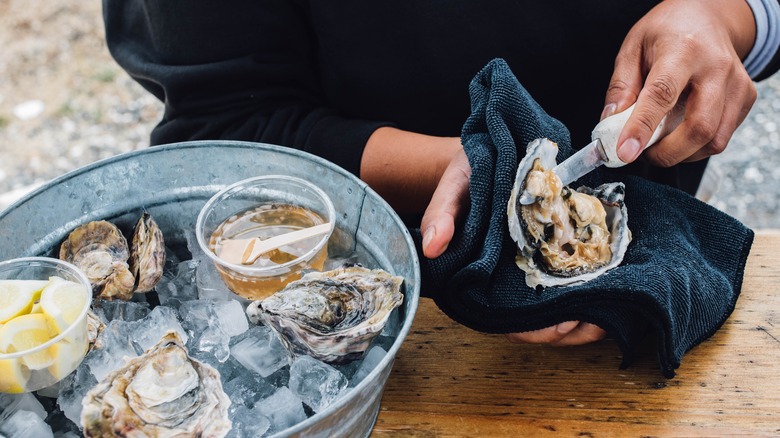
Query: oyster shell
563,236
100,250
331,316
147,257
164,392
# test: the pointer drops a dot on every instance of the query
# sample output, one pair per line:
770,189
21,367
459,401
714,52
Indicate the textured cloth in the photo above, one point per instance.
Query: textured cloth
680,277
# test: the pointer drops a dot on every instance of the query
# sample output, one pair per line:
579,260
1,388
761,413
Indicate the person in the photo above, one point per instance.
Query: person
381,88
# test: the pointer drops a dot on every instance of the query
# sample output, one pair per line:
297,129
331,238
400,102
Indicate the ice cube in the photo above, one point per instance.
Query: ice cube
73,388
248,423
120,310
147,332
246,388
369,362
205,328
10,403
232,317
178,284
316,383
209,283
284,409
25,424
260,351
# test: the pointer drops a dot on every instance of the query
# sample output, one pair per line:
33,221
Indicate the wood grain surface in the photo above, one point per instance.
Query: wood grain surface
448,380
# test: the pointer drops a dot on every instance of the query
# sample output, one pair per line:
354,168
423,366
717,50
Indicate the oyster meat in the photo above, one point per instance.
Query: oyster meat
164,392
331,316
564,236
100,250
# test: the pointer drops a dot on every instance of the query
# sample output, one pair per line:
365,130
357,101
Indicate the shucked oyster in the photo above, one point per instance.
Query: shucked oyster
564,236
331,316
163,393
100,250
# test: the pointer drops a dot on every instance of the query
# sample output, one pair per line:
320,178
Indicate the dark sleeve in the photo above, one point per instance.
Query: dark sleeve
241,70
770,69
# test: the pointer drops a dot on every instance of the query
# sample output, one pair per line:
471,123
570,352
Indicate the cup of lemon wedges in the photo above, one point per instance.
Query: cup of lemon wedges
43,322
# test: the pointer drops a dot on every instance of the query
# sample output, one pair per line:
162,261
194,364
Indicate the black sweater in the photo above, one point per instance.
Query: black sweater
323,75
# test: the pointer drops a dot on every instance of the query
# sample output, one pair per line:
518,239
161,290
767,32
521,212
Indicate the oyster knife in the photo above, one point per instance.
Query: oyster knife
603,148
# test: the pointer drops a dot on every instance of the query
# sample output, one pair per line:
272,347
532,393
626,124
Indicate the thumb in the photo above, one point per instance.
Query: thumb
447,202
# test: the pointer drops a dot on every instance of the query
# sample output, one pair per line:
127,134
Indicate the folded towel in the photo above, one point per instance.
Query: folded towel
680,277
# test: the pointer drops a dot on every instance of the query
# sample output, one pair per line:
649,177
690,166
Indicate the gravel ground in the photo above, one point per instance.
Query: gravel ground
64,103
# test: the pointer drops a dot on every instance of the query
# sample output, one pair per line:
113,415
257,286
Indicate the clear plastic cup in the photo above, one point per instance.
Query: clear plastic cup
63,353
275,204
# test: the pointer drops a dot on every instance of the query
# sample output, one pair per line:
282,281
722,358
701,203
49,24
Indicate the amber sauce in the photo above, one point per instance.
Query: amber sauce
266,221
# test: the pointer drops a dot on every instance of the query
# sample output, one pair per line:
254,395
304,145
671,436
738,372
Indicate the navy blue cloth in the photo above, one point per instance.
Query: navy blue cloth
679,280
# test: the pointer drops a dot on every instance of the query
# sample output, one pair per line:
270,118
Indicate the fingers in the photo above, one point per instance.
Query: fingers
627,80
447,203
563,334
664,84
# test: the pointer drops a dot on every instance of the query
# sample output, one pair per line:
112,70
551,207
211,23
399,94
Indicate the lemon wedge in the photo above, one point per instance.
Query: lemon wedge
67,357
13,376
25,332
62,301
17,297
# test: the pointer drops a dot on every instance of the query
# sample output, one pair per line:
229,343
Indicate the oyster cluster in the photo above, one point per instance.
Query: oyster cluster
564,236
164,392
331,316
115,270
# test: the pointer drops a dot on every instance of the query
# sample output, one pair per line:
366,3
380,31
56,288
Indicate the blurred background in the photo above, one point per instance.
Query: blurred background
64,103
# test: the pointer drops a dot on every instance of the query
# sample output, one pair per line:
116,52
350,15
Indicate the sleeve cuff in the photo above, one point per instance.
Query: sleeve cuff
767,16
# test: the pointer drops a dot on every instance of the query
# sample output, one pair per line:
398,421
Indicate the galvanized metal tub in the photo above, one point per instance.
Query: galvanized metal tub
174,181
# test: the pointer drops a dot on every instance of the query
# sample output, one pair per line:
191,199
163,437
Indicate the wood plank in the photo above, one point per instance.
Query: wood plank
449,380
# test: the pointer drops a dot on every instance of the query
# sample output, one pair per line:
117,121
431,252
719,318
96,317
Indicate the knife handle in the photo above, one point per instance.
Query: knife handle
608,131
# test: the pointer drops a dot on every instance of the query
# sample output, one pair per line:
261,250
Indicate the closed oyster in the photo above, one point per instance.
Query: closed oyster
164,392
147,257
331,316
100,250
563,236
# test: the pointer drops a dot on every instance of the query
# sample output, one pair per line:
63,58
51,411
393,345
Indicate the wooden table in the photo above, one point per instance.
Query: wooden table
451,381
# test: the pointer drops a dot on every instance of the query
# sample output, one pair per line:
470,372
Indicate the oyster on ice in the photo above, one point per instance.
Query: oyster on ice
331,316
564,236
100,250
164,392
147,257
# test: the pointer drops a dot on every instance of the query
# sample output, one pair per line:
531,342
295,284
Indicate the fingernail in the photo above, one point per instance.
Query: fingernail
428,235
608,111
566,327
629,150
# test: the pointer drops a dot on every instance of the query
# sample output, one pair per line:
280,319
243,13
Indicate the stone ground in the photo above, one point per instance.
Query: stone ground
65,103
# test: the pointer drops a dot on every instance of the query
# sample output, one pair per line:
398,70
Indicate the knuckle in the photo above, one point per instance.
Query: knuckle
617,86
714,147
663,91
664,158
703,131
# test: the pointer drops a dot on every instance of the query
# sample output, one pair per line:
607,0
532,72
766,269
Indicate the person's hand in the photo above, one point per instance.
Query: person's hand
687,50
448,203
563,334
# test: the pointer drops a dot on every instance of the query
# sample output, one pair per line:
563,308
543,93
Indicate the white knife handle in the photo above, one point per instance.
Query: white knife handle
608,131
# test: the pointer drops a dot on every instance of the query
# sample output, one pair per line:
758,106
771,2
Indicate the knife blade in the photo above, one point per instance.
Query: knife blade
603,149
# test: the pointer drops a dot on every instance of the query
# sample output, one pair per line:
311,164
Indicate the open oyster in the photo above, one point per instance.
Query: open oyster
564,236
164,392
100,250
331,316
